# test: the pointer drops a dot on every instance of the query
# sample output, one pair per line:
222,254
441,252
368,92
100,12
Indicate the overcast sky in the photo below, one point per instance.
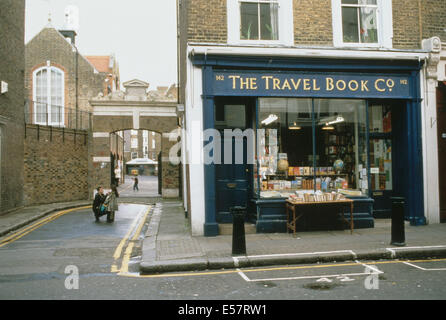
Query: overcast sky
141,33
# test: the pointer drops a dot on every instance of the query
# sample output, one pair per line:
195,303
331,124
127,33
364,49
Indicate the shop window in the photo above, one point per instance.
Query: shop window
380,124
311,146
362,23
260,21
48,96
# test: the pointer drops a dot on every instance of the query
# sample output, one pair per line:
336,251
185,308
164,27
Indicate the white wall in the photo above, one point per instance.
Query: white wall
194,118
430,149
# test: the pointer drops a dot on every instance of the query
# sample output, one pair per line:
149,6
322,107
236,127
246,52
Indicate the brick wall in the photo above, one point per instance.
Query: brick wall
434,19
55,165
406,24
414,20
207,21
313,22
12,24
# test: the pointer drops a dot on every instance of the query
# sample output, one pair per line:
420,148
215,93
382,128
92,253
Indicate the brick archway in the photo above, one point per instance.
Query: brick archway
111,115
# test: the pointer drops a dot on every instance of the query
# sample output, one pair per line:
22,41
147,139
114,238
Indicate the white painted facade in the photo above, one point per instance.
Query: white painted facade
429,84
194,121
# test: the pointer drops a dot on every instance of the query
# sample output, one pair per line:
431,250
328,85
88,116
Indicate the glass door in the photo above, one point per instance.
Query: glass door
380,139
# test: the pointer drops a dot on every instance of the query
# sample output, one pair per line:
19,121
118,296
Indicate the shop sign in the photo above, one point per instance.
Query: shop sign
335,85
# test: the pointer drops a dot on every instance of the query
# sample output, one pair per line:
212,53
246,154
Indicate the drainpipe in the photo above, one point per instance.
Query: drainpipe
420,21
77,85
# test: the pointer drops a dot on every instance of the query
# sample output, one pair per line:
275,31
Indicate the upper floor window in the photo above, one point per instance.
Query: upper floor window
260,21
359,23
362,23
48,96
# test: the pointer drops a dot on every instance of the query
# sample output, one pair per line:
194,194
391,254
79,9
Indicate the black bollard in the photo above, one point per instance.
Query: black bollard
398,237
238,230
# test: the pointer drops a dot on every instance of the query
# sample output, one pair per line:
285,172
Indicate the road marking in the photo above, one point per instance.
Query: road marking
369,267
23,232
343,276
233,271
118,250
240,272
424,269
136,228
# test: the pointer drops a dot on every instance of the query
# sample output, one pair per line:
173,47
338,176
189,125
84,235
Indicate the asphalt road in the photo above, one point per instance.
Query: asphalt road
69,256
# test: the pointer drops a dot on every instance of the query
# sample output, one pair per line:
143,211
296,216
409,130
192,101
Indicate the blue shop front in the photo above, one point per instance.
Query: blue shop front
307,127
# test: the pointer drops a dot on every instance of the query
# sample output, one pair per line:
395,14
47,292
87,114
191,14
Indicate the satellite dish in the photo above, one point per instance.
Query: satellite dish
71,18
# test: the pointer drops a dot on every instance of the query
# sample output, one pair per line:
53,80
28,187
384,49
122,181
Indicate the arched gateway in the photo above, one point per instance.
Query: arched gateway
133,109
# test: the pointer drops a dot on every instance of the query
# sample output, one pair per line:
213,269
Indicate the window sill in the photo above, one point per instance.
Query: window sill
361,45
259,42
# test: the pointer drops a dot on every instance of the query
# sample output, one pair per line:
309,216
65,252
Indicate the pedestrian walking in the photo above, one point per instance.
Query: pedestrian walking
112,203
117,175
98,203
135,184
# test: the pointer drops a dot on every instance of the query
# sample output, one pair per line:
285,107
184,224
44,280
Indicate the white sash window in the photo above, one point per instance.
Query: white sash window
362,23
260,22
48,96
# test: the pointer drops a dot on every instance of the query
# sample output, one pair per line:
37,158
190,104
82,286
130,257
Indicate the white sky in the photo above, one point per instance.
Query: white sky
141,33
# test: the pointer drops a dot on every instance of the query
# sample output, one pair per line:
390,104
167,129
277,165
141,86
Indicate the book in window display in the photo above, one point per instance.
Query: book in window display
308,169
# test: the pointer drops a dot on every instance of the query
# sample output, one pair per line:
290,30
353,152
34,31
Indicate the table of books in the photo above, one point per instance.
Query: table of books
295,210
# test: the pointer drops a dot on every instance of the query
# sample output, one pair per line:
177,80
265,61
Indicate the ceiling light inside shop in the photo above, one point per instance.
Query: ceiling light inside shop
294,126
271,118
328,128
337,120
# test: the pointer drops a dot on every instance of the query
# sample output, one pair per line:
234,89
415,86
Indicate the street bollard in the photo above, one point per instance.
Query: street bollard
398,237
238,230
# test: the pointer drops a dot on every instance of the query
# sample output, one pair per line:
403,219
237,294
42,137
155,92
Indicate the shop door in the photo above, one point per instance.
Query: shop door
232,179
441,127
380,138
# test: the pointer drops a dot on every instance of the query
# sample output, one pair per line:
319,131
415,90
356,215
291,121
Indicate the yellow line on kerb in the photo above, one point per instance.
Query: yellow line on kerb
23,232
210,273
128,250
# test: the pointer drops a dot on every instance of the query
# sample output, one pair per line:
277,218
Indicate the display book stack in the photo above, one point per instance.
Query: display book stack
283,183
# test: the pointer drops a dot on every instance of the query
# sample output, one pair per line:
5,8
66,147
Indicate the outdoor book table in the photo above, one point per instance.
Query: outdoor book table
296,210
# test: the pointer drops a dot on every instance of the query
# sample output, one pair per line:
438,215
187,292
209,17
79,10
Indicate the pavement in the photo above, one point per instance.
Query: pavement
168,245
23,216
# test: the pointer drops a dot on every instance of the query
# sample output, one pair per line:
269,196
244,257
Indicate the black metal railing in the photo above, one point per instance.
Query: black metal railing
45,114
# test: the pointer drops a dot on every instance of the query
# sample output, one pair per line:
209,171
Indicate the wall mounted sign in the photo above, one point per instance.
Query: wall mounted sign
332,85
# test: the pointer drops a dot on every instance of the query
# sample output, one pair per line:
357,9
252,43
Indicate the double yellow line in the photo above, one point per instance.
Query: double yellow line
23,232
136,229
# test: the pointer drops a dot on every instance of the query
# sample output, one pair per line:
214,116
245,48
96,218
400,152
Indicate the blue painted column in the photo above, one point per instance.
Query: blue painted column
415,187
210,223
